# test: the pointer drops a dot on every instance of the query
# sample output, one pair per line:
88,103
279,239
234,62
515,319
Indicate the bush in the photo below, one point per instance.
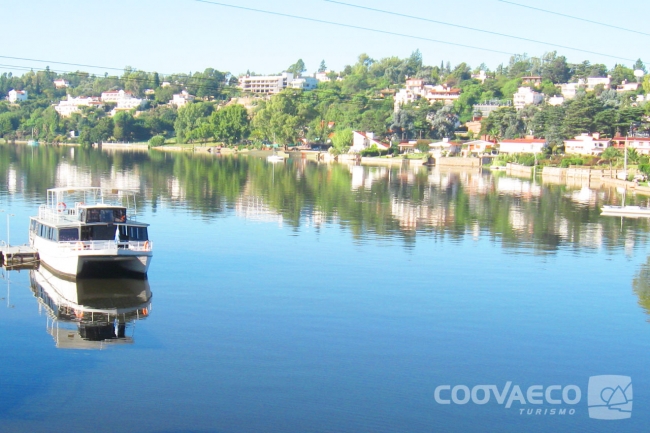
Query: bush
645,169
371,151
574,160
157,140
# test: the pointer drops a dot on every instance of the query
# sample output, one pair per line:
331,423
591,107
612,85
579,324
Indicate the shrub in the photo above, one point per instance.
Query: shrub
157,140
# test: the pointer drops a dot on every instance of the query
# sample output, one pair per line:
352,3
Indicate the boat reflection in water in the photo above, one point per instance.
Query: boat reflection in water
90,313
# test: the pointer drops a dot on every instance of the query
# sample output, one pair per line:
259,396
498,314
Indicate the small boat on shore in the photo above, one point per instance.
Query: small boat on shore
89,231
630,211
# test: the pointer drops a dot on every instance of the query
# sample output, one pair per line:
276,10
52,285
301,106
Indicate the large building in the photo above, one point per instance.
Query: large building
72,105
266,84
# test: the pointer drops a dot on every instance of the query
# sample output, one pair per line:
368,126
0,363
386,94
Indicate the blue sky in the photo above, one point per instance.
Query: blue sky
185,35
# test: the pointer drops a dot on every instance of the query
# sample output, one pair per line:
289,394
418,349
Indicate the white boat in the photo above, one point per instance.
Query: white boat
632,211
275,158
91,232
91,313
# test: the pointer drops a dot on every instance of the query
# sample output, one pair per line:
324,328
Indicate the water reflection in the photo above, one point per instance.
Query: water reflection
90,313
382,202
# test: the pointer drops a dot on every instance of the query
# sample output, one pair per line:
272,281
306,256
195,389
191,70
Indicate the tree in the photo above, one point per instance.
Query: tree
277,119
123,126
322,67
639,66
297,68
444,122
646,84
342,139
230,124
189,118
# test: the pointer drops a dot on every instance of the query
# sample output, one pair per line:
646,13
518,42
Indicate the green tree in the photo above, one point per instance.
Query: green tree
342,139
189,118
277,119
230,124
297,68
322,67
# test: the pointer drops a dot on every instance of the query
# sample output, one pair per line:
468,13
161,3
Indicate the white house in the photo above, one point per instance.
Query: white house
555,100
181,99
522,145
569,90
627,87
305,83
449,147
267,84
586,144
61,83
364,140
415,89
592,82
71,105
478,146
17,96
526,96
640,144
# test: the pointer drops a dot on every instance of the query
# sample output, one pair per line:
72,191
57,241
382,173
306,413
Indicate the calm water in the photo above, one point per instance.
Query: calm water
325,298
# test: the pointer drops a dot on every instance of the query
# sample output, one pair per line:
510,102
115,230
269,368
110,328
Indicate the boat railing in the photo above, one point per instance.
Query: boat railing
110,245
58,214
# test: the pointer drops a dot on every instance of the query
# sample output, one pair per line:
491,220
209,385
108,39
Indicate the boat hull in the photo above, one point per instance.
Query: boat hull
96,262
635,211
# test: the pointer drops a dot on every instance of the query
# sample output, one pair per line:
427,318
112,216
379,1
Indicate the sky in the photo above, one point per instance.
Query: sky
171,36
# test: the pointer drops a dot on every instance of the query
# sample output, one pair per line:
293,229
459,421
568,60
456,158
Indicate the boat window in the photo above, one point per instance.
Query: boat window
106,215
67,235
98,233
131,233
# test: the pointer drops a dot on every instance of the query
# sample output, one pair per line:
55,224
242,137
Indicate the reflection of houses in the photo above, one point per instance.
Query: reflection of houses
254,208
640,144
522,145
364,177
519,188
365,140
586,144
91,313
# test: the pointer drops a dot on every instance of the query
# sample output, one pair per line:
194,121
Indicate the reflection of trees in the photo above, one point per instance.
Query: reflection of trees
641,285
384,202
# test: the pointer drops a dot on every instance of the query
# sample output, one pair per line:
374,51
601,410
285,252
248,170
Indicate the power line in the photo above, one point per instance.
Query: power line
354,27
574,17
476,29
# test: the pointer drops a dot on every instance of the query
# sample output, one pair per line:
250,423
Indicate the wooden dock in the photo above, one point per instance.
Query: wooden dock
22,257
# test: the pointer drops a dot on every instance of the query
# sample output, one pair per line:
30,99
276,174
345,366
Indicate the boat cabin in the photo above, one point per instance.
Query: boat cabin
93,223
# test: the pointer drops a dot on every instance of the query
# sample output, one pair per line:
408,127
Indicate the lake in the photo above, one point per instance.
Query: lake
304,297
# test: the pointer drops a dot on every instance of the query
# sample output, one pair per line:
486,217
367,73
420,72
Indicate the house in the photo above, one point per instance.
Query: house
627,87
532,80
555,100
364,140
446,146
71,105
415,89
61,83
592,82
522,145
408,146
266,84
640,144
478,147
305,83
181,99
586,144
526,96
569,90
17,96
481,76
